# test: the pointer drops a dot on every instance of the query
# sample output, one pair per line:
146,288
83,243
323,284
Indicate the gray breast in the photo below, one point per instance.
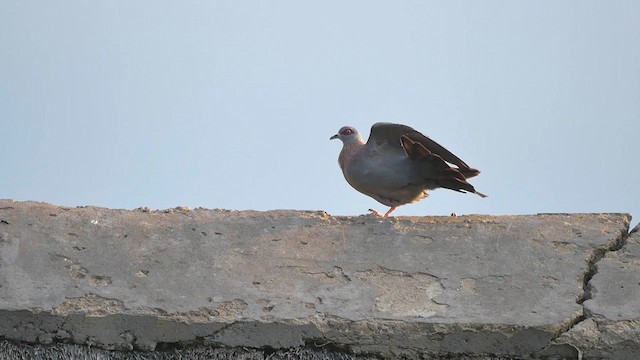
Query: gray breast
387,175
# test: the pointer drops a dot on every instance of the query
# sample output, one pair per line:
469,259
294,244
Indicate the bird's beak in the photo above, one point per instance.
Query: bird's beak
334,137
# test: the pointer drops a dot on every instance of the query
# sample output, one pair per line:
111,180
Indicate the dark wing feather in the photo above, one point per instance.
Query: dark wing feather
443,175
388,133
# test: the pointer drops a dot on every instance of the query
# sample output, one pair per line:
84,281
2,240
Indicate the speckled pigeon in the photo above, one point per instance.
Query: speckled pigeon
398,165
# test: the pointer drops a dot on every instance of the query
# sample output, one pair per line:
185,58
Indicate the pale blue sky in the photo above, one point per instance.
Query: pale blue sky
230,104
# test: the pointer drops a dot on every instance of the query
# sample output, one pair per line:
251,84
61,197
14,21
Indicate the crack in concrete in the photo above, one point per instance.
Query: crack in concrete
595,257
592,269
337,273
197,341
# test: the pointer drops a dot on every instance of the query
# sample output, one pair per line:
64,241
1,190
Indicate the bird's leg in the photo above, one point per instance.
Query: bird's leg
389,212
386,215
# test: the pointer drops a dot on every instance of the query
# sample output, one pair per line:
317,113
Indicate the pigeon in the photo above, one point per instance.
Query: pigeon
398,165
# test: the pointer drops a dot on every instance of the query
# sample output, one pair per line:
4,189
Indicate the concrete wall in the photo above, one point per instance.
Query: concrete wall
300,282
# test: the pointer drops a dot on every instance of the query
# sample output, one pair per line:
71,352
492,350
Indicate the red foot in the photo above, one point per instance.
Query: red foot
386,215
376,213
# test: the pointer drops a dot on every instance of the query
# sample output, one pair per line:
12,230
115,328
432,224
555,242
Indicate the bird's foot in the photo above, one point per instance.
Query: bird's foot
385,215
376,213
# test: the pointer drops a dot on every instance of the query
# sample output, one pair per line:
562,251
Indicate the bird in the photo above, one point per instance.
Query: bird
399,165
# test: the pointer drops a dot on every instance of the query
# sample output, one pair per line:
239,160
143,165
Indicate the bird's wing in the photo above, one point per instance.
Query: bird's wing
388,133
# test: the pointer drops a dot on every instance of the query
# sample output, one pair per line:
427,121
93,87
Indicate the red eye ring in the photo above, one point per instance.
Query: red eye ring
347,132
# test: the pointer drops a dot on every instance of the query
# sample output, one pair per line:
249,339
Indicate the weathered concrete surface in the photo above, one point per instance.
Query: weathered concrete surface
471,285
612,327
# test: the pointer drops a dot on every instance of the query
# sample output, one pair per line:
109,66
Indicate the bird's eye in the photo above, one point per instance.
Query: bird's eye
347,132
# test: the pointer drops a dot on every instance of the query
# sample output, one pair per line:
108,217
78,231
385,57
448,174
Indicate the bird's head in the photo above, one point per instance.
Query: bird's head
348,135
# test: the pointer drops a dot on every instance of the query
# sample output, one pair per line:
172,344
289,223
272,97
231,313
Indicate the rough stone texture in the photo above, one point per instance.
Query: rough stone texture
428,286
10,351
612,328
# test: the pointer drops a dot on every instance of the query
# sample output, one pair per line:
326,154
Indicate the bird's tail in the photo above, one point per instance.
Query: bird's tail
444,176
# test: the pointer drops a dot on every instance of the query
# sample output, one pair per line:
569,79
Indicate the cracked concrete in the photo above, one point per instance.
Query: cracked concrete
610,328
503,286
